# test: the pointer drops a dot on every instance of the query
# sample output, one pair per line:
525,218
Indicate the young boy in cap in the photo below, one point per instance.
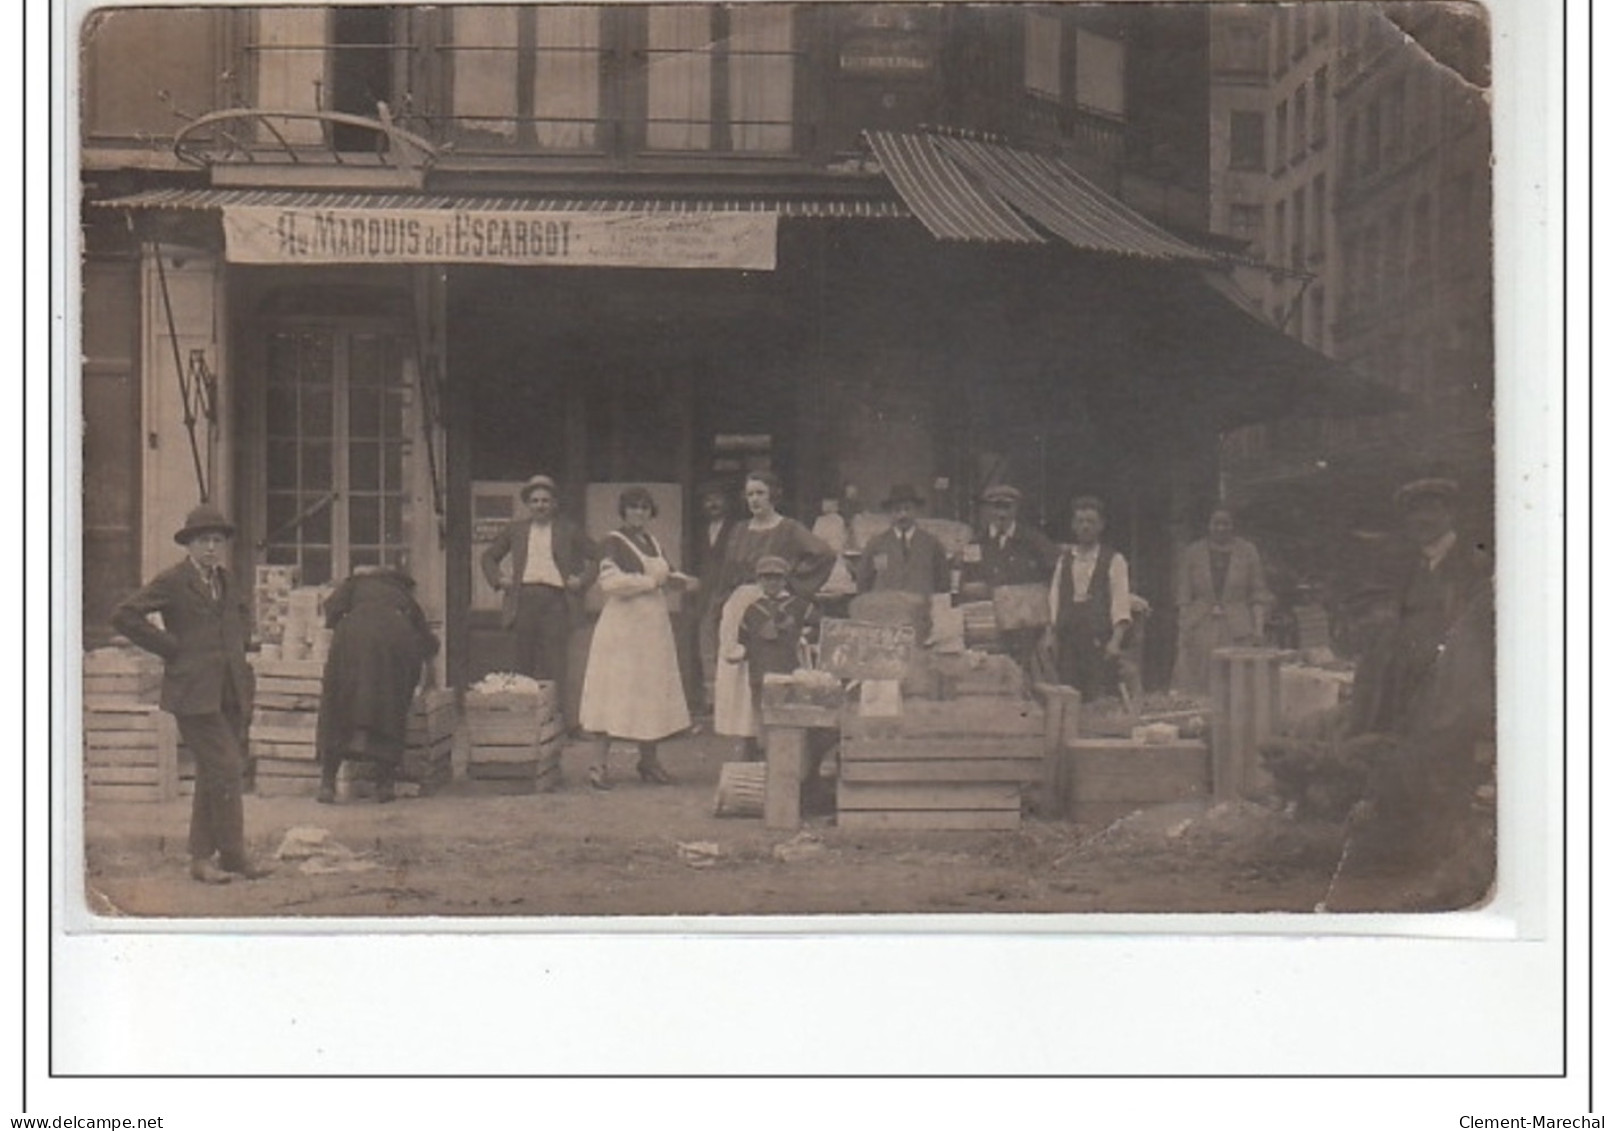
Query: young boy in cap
207,685
770,631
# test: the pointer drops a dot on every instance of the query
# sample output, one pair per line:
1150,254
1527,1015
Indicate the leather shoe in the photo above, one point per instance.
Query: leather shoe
207,872
598,777
251,870
326,795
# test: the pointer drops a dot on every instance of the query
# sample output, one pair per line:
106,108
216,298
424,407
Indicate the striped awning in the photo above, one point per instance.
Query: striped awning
943,197
967,188
796,207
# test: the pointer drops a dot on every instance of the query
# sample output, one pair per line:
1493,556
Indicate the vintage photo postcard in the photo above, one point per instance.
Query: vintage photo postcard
784,459
924,471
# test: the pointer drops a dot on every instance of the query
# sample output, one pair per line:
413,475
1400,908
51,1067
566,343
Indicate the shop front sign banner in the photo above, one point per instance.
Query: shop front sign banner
267,234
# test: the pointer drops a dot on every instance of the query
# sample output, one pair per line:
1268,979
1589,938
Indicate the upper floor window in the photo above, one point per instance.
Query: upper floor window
1298,146
1074,66
1246,140
1281,134
527,76
347,58
1320,101
1043,55
142,67
699,77
720,78
1101,73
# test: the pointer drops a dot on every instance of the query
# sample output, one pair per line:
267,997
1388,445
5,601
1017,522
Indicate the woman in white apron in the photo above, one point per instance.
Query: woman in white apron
632,689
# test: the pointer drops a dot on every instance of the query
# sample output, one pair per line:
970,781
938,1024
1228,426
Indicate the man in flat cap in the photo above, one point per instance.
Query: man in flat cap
1422,709
1008,552
1443,599
207,685
552,563
903,556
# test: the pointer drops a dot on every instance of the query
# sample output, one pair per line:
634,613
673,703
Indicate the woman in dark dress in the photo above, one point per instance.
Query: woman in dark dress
379,644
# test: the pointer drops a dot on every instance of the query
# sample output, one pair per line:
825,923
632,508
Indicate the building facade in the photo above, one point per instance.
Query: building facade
354,272
1351,153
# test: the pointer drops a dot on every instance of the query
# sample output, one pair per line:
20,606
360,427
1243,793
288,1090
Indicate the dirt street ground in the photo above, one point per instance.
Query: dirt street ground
649,850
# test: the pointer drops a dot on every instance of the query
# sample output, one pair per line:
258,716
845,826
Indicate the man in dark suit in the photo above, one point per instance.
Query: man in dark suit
903,556
1423,709
207,685
713,531
552,563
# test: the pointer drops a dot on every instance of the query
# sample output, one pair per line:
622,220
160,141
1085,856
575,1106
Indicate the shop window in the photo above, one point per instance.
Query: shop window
1247,143
1101,74
335,445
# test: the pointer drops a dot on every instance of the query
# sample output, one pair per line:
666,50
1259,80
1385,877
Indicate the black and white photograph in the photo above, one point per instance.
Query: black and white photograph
779,459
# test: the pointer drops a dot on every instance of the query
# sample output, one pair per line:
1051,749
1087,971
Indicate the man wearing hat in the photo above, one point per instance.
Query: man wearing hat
207,685
714,529
1008,552
1426,687
1442,599
552,562
903,556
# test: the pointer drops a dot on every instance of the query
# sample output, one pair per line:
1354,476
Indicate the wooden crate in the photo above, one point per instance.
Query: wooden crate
131,753
1102,778
515,738
962,764
121,674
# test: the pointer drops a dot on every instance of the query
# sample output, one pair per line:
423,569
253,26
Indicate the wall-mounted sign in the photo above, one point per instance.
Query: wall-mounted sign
887,41
725,240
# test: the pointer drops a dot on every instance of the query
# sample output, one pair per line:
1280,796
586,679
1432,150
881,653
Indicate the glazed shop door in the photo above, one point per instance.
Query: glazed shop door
336,453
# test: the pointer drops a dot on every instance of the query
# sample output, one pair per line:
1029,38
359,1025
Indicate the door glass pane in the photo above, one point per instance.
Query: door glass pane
280,410
316,527
364,519
281,460
393,466
315,413
364,467
317,470
364,411
392,420
316,565
393,519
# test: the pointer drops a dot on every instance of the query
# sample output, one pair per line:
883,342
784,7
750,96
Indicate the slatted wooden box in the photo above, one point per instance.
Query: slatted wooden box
131,753
1101,779
121,675
942,765
281,737
515,740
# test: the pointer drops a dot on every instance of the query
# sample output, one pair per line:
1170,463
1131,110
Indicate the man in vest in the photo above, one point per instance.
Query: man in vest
1091,605
903,556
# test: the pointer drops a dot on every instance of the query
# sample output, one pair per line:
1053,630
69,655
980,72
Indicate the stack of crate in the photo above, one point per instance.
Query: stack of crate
428,751
429,741
131,748
516,737
284,717
950,764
